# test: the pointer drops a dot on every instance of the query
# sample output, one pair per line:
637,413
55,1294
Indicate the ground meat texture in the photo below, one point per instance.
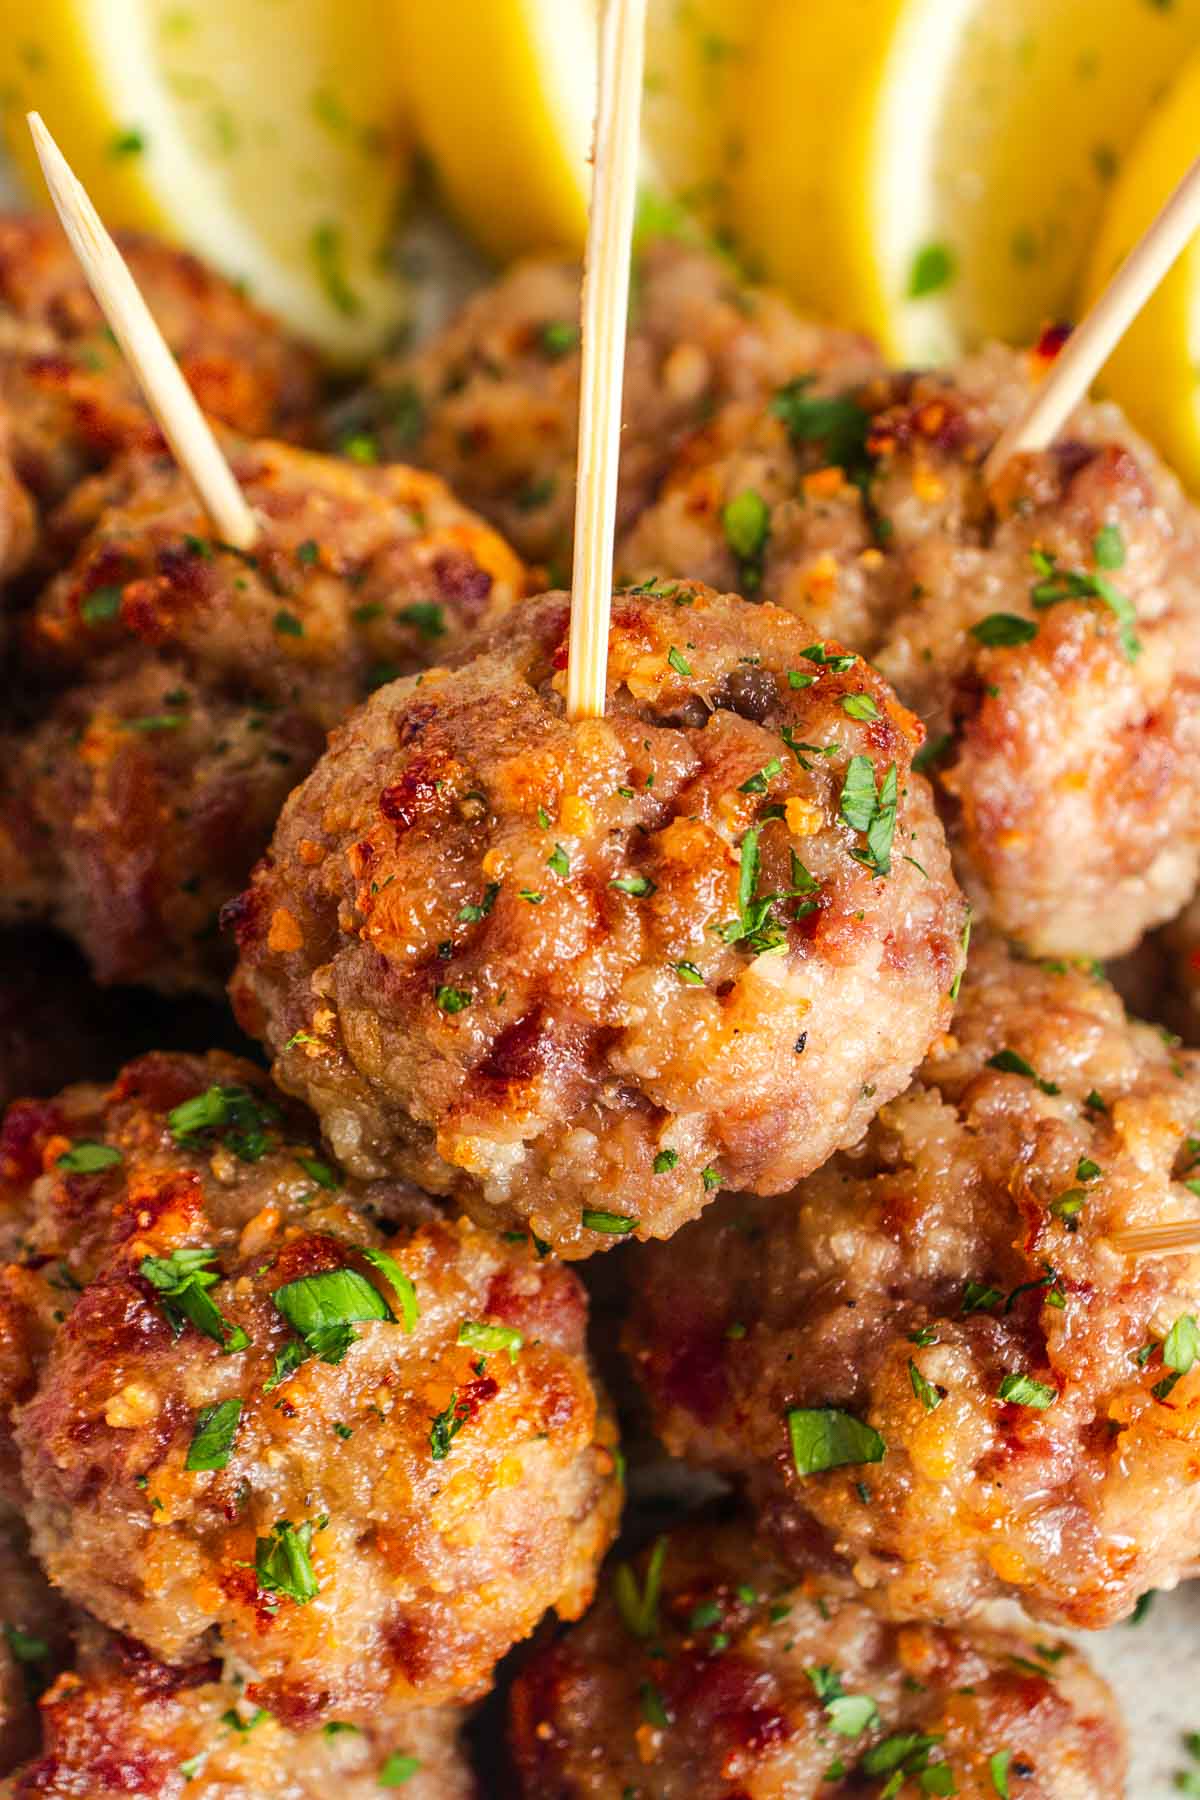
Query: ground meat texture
34,1641
492,402
523,957
949,1288
196,686
70,399
714,1672
1047,631
385,1509
121,1724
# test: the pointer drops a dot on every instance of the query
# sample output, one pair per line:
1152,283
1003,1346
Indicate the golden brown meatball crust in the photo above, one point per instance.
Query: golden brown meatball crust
121,1724
374,1515
1047,631
1016,1401
579,975
492,402
202,683
714,1673
72,401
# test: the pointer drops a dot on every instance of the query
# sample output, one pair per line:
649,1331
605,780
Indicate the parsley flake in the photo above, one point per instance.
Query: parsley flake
826,1438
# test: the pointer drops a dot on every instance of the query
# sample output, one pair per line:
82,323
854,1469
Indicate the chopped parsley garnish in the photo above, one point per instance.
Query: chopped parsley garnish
25,1647
872,810
320,1308
307,553
287,623
559,337
240,1118
1144,1603
904,1754
318,1171
654,1710
328,254
1181,1347
398,1770
213,1435
1010,1063
1023,1390
852,1714
282,1561
640,886
639,1608
711,1178
932,269
747,524
286,1361
823,1437
86,1158
757,783
612,1224
181,1282
689,974
859,706
841,663
837,421
797,680
399,1283
932,752
559,862
428,617
446,1426
757,926
491,1339
452,999
1000,630
101,604
679,661
1055,585
931,1397
471,913
1108,547
665,1161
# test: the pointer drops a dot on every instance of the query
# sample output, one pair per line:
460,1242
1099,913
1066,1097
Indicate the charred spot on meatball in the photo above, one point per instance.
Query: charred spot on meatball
558,970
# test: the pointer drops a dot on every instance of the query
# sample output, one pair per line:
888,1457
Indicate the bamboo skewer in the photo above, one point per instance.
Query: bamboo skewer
1159,1240
1090,346
159,376
602,377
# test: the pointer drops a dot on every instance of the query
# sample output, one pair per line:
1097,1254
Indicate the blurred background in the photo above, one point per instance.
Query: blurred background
935,171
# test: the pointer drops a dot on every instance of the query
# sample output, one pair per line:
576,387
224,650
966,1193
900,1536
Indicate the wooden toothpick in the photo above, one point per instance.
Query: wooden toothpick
602,377
159,376
1159,1240
1093,342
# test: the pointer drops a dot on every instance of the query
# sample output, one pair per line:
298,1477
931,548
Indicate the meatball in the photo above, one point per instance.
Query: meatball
931,1362
71,401
492,403
34,1639
713,1671
197,685
122,1724
1046,630
580,975
312,1426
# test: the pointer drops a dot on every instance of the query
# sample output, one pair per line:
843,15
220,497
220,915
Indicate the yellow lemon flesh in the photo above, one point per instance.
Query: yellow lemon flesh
1155,371
503,102
933,170
262,136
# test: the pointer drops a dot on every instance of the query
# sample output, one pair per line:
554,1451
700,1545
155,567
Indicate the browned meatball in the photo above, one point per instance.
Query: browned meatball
121,1724
362,1457
581,975
34,1641
1047,631
930,1361
492,403
712,1672
71,401
202,683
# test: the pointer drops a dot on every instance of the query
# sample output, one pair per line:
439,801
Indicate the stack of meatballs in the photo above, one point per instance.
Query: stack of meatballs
306,1446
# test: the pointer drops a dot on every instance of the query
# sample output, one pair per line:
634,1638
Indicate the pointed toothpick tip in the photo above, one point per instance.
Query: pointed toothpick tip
167,394
602,373
1094,340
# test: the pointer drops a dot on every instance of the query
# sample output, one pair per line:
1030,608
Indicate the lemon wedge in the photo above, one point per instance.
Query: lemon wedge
503,103
933,170
1155,370
263,136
